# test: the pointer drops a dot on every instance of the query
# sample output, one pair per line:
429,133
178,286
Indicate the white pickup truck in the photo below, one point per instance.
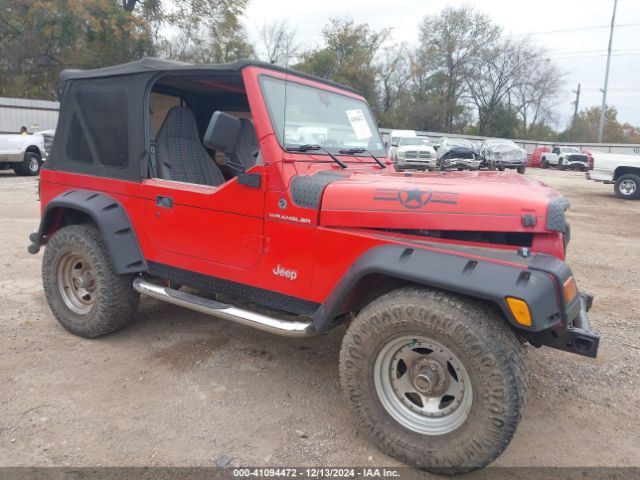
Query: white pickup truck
565,158
23,153
621,170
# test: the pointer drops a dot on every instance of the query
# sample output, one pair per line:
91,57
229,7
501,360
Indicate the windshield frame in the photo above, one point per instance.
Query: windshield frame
381,153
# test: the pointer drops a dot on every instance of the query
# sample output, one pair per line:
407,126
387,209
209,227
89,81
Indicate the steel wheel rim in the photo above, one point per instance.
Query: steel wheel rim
76,283
33,164
628,187
401,390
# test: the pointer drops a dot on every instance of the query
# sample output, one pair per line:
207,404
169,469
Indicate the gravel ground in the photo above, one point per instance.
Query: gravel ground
181,389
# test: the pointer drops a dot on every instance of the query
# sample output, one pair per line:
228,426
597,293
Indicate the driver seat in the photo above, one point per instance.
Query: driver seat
180,154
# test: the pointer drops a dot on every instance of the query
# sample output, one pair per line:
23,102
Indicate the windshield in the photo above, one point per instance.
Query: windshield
503,144
414,141
316,116
459,142
570,150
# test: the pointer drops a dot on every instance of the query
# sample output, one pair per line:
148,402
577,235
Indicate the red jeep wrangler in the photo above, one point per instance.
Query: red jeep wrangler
274,187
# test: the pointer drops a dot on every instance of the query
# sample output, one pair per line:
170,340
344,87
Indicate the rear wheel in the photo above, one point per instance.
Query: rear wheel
435,380
83,290
30,166
628,186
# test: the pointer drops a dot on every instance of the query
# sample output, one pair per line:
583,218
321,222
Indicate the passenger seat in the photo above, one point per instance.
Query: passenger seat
180,154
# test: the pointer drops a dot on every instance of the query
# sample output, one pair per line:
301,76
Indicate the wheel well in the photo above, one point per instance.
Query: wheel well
61,217
33,149
624,171
374,285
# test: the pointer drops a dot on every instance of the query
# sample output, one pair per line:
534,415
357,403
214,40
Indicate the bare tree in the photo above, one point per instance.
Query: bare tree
395,75
278,42
536,92
496,70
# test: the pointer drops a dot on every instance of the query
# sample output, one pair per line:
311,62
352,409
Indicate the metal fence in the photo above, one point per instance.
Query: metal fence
36,115
531,145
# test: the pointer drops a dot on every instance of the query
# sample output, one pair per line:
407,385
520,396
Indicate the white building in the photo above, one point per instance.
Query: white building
36,115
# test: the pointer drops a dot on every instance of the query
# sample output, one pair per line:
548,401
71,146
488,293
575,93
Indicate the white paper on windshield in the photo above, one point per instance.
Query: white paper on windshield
359,124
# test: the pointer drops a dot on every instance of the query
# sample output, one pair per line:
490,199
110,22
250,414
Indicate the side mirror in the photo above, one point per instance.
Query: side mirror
222,132
436,147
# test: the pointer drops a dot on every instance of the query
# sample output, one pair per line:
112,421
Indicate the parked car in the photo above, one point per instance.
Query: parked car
623,171
413,153
438,281
499,153
536,156
457,153
23,153
565,158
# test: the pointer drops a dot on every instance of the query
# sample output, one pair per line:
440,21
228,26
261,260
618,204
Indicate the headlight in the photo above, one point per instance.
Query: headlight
497,155
400,154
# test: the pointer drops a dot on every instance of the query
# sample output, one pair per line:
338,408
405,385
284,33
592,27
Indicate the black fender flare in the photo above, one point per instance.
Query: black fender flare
471,276
111,219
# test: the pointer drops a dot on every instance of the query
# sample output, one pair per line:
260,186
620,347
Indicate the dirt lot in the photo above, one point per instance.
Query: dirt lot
179,388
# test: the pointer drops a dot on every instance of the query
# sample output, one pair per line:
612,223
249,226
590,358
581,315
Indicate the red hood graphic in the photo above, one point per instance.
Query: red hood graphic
473,201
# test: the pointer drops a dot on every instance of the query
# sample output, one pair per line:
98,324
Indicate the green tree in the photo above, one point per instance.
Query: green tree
39,38
349,56
585,128
222,40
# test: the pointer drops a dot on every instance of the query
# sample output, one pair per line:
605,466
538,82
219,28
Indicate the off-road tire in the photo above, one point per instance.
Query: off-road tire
478,335
30,166
624,185
115,299
522,169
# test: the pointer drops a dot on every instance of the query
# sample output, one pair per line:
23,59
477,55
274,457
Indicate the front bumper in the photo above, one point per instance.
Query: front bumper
573,335
577,165
415,163
461,163
508,163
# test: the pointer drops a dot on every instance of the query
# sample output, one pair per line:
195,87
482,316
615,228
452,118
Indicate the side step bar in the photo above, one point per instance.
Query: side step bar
226,312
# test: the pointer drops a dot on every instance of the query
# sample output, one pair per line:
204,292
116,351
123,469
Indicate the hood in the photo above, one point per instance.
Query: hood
419,148
471,201
505,148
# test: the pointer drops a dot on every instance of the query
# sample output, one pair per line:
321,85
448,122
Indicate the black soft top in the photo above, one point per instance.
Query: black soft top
152,64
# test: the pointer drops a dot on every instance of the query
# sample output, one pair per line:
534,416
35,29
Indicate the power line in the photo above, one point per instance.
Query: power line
579,29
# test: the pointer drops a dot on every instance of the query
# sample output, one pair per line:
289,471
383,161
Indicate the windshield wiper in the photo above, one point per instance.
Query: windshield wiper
350,151
310,147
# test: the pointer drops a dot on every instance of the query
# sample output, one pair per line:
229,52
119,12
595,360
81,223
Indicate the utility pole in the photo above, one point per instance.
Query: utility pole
606,74
576,104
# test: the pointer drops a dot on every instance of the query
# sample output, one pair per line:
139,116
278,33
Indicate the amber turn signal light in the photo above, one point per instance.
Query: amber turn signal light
570,289
520,311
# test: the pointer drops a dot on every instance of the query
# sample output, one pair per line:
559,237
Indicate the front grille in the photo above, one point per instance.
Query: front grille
417,154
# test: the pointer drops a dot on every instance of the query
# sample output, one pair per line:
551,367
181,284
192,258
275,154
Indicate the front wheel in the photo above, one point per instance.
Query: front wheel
628,186
522,169
30,166
84,292
434,379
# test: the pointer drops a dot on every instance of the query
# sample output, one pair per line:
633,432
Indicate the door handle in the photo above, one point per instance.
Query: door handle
165,202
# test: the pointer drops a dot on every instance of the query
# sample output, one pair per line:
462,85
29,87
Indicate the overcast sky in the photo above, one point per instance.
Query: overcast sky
580,53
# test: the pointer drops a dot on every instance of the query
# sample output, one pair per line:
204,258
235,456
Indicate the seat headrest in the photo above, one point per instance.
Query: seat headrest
179,122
